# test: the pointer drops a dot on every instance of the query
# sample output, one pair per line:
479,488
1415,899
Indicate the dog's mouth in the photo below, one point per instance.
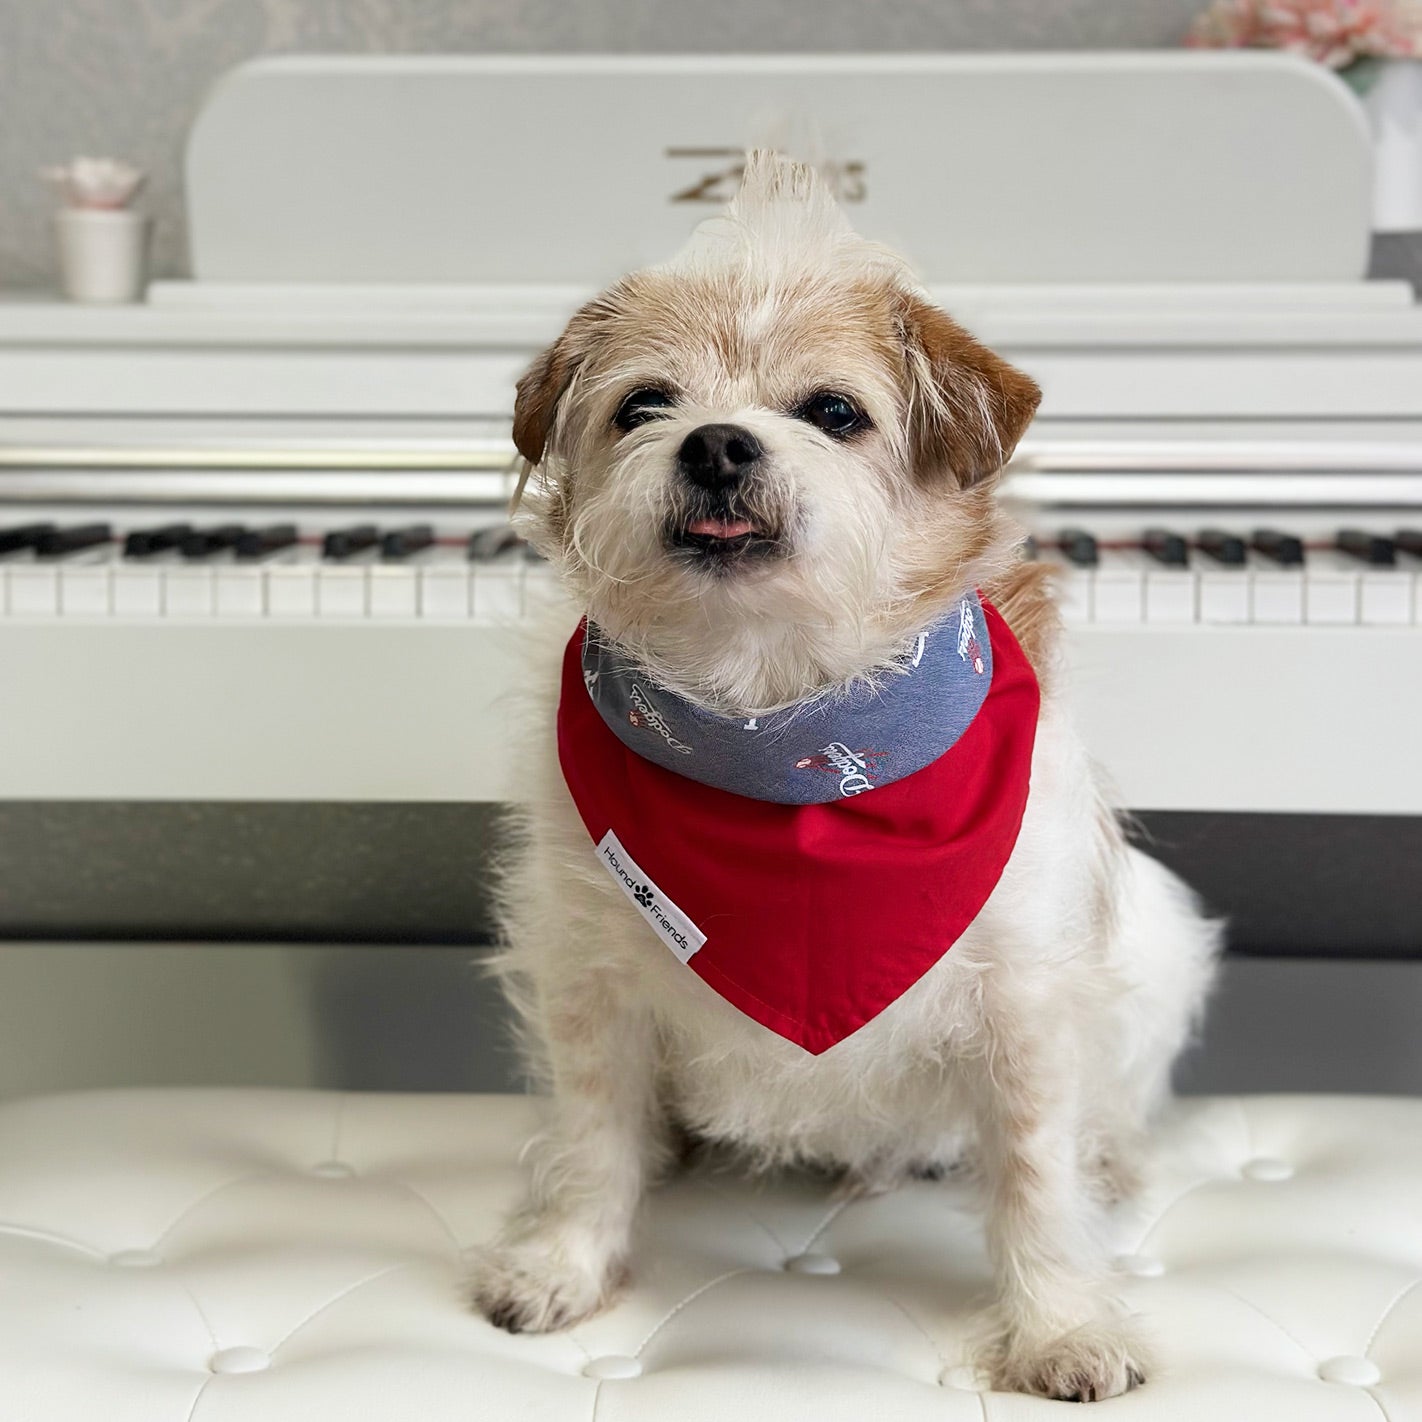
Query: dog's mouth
723,541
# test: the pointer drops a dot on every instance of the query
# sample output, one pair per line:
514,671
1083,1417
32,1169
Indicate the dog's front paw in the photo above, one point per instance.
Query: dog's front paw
531,1285
1095,1361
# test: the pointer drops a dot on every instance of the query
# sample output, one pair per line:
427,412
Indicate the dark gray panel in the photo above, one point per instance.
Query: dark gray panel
1301,885
364,873
1310,885
1398,255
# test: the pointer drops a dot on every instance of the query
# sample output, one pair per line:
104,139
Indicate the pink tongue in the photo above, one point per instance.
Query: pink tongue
719,528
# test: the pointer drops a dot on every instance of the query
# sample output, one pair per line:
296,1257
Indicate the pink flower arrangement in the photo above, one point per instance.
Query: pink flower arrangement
96,182
1333,32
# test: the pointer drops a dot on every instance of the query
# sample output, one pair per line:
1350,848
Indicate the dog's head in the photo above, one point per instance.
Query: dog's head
763,464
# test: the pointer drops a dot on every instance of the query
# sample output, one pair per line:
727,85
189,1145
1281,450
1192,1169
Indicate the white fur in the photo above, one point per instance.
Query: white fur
1041,1043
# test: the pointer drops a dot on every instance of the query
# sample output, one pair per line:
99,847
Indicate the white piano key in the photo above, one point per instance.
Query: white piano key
33,589
1071,587
445,589
1224,595
394,590
1118,591
1276,593
341,590
1330,589
85,585
138,588
498,591
239,590
187,590
1169,595
1385,597
291,584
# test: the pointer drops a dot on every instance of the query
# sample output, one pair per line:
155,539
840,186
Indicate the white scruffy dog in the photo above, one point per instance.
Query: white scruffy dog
1043,1041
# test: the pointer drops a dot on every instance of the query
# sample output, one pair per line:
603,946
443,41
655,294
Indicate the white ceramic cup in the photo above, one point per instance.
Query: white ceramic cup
102,253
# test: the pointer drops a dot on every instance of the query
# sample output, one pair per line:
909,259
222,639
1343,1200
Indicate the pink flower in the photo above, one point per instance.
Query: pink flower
96,182
1333,32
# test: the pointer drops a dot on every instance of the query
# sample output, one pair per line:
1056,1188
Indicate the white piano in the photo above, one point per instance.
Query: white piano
251,530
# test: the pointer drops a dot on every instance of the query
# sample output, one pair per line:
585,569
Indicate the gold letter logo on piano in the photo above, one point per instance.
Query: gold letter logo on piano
718,185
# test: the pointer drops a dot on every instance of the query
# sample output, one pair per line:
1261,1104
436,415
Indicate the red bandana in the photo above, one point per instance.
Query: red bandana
811,919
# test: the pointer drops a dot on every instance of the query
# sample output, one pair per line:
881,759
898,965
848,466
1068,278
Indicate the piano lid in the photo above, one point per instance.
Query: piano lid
1120,168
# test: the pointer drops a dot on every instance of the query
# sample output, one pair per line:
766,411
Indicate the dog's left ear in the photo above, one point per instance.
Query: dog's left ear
967,406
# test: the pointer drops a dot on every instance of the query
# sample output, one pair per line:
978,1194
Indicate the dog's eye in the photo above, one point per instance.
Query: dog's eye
835,414
639,407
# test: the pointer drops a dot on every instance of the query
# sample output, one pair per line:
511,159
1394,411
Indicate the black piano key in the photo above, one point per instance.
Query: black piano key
1166,547
401,542
144,542
259,542
208,541
1281,548
488,543
1223,547
1409,540
60,541
344,542
22,536
1079,547
1369,548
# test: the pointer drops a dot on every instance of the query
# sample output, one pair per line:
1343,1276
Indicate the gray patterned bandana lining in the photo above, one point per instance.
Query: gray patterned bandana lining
835,745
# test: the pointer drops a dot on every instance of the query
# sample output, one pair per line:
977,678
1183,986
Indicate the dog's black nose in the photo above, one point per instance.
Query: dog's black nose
716,456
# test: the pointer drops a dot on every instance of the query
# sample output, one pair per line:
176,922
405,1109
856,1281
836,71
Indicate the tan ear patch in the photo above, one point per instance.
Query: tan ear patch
539,389
967,406
544,383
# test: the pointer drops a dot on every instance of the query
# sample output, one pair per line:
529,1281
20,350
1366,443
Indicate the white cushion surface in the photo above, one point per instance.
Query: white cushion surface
271,1256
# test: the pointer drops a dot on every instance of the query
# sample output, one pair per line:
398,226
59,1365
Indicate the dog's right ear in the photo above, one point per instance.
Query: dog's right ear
546,381
540,388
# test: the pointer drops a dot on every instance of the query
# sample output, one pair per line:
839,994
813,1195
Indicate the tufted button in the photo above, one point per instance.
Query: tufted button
812,1264
333,1170
1267,1167
135,1259
238,1360
1139,1266
613,1366
1356,1372
962,1376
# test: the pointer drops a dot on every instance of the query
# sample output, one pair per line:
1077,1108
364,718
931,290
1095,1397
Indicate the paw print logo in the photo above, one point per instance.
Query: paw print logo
643,895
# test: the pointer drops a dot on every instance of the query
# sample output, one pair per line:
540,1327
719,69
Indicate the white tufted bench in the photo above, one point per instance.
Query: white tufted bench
267,1256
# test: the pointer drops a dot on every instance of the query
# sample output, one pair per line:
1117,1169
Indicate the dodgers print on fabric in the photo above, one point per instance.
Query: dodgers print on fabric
835,746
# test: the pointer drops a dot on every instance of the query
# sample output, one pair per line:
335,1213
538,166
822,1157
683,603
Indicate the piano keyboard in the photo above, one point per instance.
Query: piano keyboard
1232,577
183,571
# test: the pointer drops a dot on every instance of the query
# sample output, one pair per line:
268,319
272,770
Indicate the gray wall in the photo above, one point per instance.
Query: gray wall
125,77
427,1019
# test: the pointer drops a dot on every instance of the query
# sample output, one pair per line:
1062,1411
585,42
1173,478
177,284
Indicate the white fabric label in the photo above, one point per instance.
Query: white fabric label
671,925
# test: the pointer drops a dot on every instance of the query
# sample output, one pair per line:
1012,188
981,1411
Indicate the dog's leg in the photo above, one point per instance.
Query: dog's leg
1056,1332
562,1254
